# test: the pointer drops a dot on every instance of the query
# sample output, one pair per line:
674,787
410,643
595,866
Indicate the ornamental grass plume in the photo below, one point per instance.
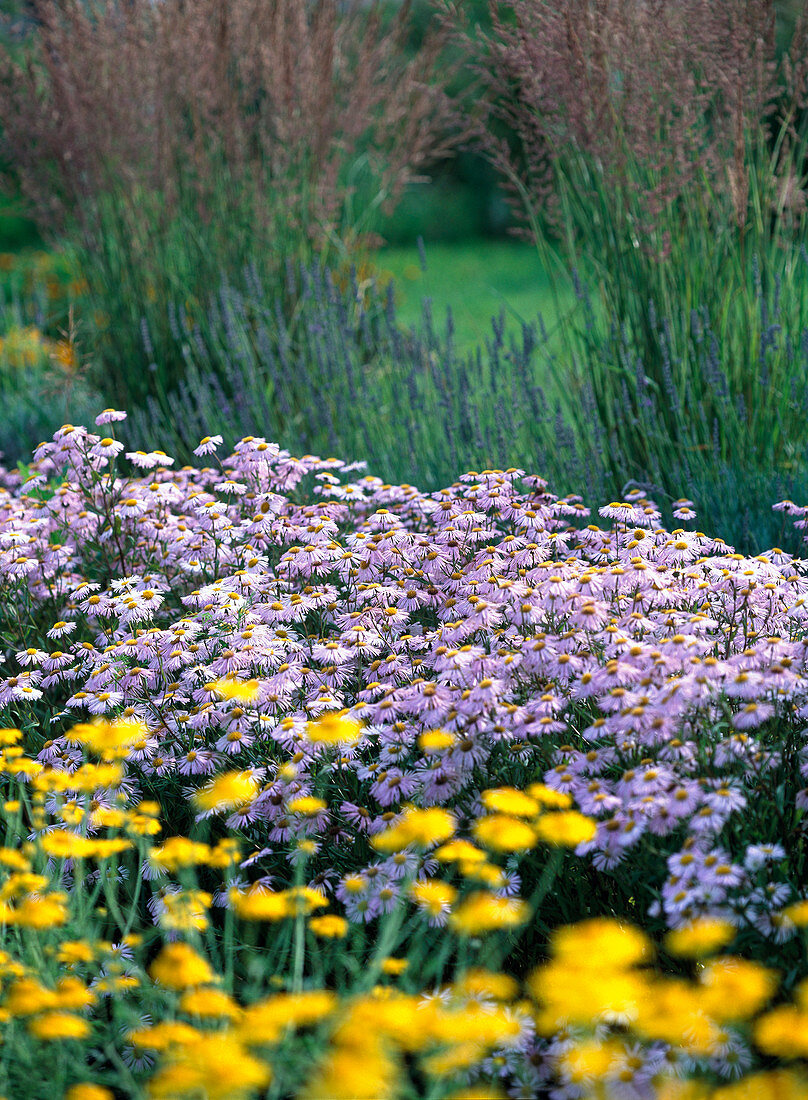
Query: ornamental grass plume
175,142
637,131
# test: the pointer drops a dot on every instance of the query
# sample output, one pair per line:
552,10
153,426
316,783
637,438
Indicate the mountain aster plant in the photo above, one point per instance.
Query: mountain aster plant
297,749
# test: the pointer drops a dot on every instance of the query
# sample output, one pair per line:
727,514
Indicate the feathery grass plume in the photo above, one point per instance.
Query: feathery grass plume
664,145
172,141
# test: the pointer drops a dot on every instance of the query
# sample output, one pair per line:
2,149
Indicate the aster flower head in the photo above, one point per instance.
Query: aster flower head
110,416
208,445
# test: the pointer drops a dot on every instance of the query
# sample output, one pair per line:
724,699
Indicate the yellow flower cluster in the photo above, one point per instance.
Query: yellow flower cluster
598,976
374,1032
178,852
227,792
334,728
519,820
420,828
260,904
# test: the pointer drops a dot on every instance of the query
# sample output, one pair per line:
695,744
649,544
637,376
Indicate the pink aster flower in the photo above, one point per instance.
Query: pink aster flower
208,445
109,416
148,461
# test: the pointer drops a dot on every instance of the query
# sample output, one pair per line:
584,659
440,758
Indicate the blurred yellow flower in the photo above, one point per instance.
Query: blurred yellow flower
329,926
216,1066
227,791
508,800
178,966
483,912
502,833
59,1025
700,938
109,740
565,829
416,827
334,729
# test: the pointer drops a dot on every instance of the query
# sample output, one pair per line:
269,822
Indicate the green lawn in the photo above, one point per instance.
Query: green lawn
477,280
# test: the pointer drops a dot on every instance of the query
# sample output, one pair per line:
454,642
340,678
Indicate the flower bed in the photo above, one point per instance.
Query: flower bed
319,786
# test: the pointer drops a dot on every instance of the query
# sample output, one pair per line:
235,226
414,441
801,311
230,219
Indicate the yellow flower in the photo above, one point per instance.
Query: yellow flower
216,1066
178,966
359,1071
508,800
502,833
797,913
120,984
12,857
329,926
307,805
65,845
601,943
778,1084
186,910
37,912
164,1036
432,896
458,1057
177,852
23,882
225,853
488,984
487,873
588,1060
305,899
735,988
783,1032
700,938
334,729
88,1091
394,966
421,827
261,904
672,1010
267,1020
484,1025
549,798
106,818
483,912
209,1004
75,952
459,851
435,740
59,1025
565,829
237,691
109,740
89,777
73,994
227,791
27,997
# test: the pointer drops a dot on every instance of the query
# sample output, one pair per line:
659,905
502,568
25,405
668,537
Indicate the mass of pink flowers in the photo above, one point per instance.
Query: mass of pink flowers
656,676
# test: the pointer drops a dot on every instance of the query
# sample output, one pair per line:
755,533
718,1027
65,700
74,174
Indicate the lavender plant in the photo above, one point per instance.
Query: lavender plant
343,377
665,147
